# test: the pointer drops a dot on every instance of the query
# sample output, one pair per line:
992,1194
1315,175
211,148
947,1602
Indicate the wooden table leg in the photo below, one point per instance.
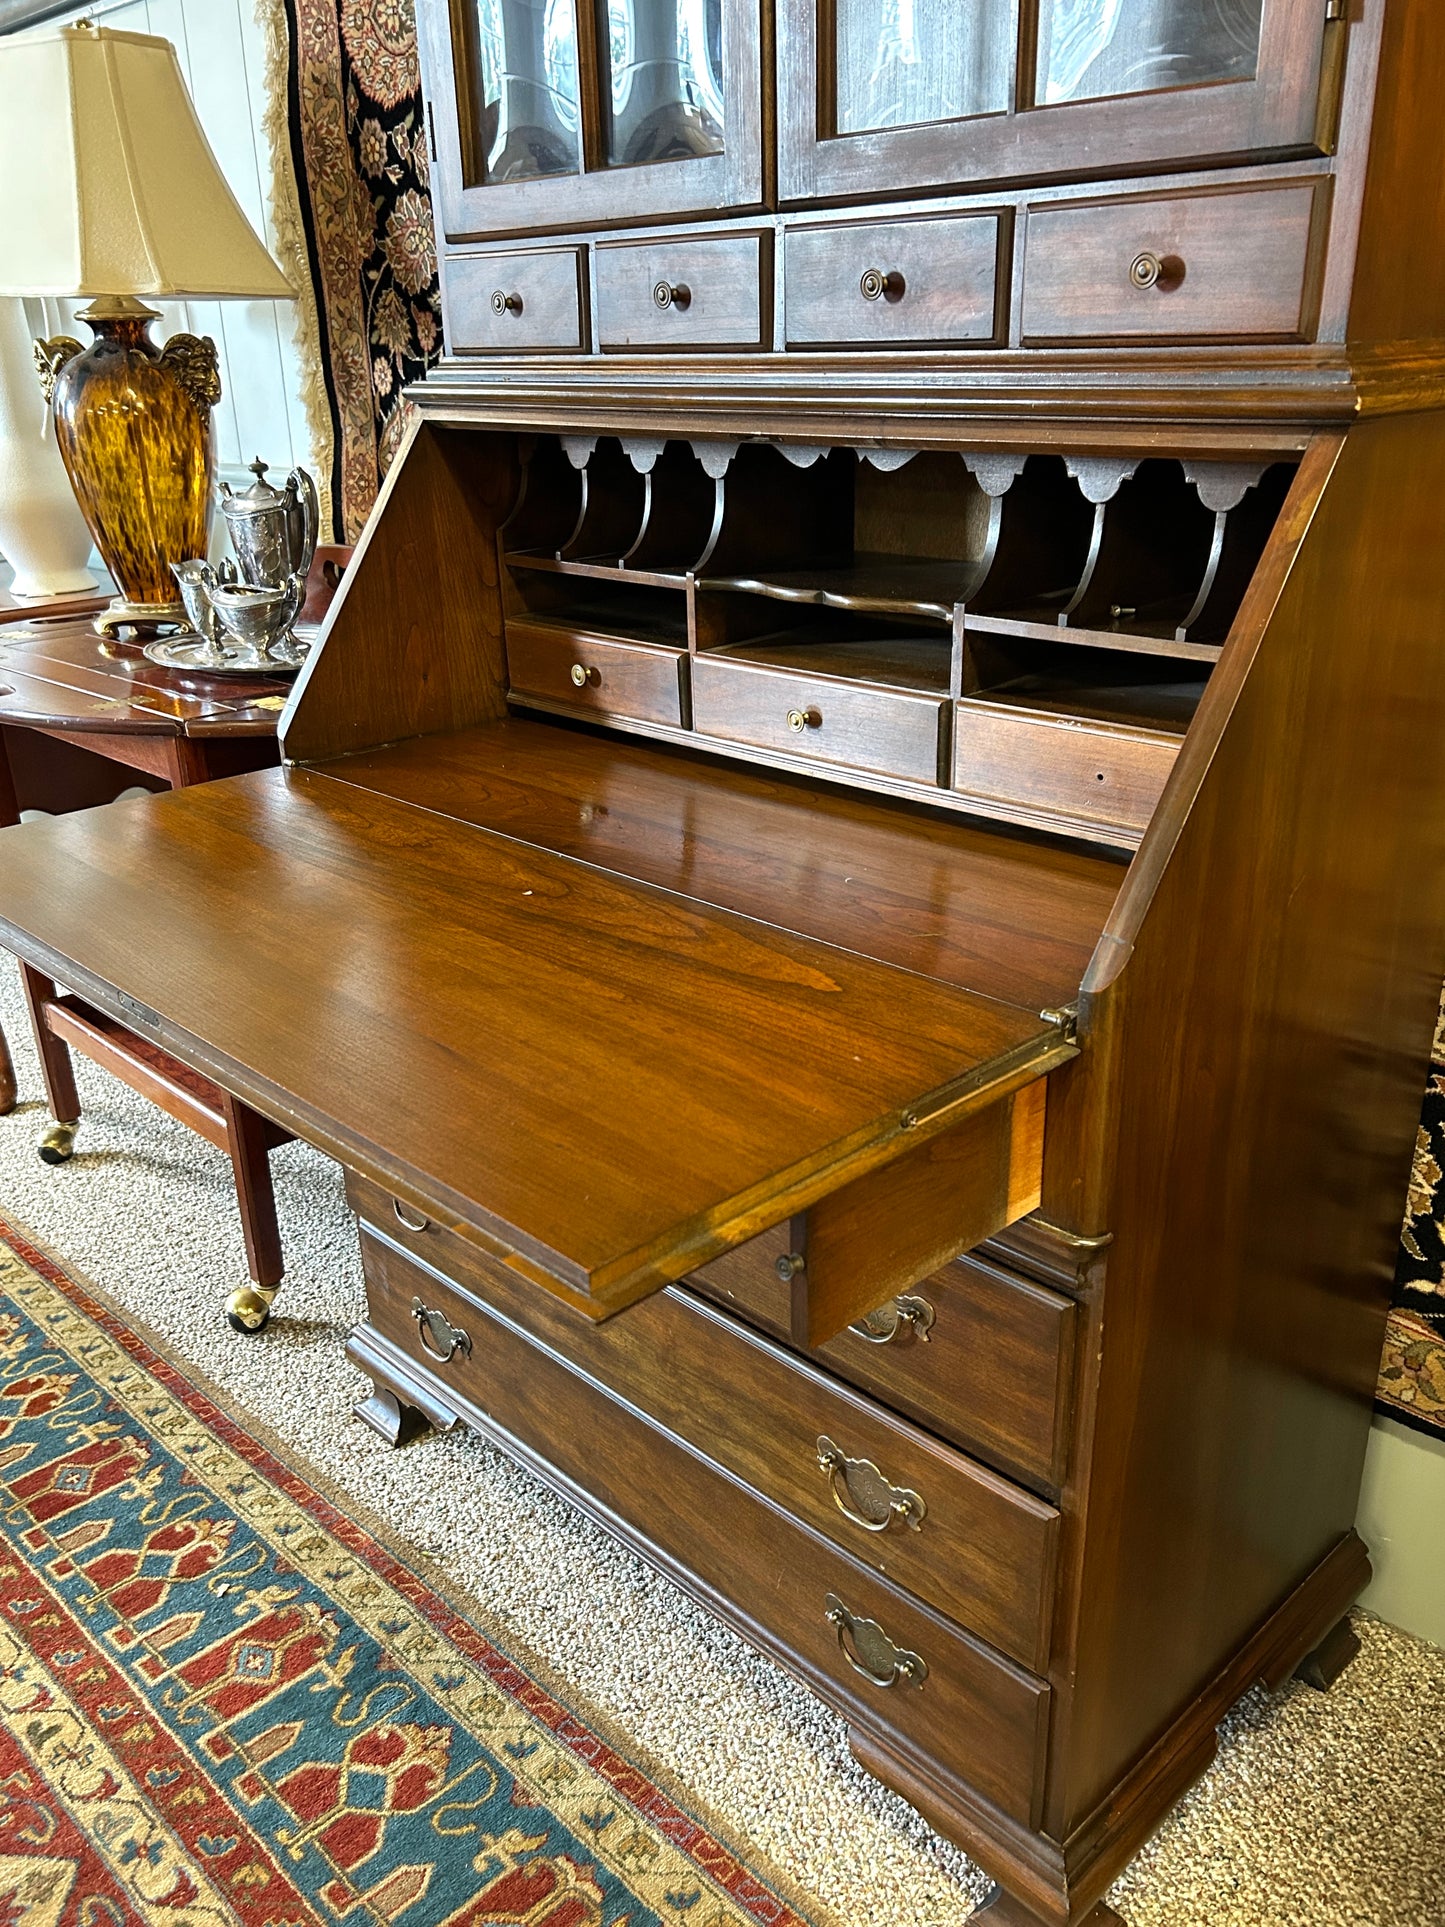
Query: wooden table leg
56,1067
249,1309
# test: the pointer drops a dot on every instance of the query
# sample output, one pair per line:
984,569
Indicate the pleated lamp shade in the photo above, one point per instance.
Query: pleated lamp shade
113,188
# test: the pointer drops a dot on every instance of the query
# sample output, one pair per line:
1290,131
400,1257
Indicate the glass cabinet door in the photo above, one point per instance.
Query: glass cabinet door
579,113
888,96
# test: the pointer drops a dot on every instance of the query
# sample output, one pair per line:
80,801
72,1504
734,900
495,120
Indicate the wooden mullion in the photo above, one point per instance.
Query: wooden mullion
592,157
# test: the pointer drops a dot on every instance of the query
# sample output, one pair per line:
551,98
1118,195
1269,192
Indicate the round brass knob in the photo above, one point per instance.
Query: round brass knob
582,676
503,303
789,1265
801,719
875,285
1145,270
664,295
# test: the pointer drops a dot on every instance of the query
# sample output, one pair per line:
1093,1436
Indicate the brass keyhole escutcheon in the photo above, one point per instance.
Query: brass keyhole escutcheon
864,1496
876,285
584,677
503,303
801,719
665,295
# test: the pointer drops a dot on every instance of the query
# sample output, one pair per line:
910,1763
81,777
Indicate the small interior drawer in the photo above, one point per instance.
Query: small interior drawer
934,279
702,293
525,298
629,679
885,731
1232,263
1056,767
936,1523
978,1355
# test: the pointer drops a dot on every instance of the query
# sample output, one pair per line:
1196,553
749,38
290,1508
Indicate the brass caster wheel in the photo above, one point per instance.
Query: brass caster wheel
58,1144
249,1310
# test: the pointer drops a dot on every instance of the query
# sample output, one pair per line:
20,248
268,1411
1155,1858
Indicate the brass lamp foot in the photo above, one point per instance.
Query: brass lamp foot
151,616
249,1309
58,1144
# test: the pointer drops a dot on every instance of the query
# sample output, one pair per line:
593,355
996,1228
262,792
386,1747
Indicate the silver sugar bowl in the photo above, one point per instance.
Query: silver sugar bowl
272,530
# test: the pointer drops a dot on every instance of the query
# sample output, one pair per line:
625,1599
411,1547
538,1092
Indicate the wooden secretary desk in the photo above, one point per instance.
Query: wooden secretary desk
858,882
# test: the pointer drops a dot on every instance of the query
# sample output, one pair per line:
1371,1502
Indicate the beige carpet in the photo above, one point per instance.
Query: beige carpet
1321,1811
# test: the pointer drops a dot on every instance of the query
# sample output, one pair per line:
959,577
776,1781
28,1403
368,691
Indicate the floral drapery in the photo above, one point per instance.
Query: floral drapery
347,125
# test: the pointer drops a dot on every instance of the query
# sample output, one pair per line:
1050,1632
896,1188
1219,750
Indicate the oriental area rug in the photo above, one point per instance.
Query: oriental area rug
224,1701
1412,1371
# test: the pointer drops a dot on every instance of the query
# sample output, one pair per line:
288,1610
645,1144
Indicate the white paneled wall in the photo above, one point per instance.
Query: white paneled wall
222,56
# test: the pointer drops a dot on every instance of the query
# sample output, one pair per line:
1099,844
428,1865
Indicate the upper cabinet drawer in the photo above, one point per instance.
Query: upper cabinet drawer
883,282
702,293
531,299
1233,263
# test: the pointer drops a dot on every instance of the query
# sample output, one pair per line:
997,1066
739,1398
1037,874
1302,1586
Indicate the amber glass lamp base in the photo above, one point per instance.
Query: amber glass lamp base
133,425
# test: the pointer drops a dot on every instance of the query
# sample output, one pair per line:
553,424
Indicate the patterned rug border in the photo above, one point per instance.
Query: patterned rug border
433,1593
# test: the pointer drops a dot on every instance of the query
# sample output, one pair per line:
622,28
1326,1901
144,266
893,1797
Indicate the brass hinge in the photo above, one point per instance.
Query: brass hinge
1066,1016
1336,9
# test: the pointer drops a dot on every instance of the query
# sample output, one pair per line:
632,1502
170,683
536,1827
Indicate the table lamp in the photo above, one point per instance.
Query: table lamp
115,194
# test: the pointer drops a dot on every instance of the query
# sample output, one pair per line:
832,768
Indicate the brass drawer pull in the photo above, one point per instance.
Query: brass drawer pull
901,1318
665,295
585,677
1149,270
409,1220
503,303
876,285
439,1335
862,1494
801,719
869,1650
789,1265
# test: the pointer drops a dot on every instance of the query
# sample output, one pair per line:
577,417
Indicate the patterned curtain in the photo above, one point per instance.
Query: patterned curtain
351,197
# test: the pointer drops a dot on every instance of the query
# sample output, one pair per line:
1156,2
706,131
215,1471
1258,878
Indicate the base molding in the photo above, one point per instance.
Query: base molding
1000,1909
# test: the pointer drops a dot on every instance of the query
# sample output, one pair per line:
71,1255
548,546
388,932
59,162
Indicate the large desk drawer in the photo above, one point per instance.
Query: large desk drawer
936,1523
888,732
972,1352
886,1661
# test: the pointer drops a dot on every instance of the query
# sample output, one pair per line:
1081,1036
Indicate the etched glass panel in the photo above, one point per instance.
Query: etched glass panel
902,63
662,79
525,68
1092,48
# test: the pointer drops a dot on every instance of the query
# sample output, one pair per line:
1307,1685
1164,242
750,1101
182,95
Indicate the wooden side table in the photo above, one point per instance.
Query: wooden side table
60,681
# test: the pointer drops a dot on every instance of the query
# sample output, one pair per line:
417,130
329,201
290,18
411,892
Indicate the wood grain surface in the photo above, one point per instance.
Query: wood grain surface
614,1082
1006,916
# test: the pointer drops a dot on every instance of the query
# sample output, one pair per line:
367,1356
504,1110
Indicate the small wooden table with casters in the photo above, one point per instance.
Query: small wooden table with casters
59,682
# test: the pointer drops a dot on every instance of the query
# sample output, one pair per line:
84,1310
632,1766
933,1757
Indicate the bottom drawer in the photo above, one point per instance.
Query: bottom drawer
886,1662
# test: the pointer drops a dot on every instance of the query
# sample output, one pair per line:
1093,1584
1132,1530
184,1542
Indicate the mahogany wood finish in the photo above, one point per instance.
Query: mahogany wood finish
697,1522
880,1060
976,1354
682,294
927,280
998,805
525,298
1235,263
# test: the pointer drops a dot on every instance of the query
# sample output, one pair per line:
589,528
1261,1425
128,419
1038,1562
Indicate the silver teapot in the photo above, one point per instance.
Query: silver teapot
272,530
